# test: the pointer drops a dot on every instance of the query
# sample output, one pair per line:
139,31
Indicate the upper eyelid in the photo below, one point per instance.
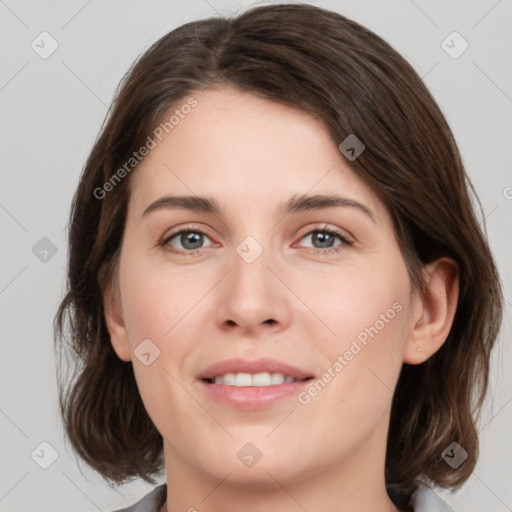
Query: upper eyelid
326,227
188,227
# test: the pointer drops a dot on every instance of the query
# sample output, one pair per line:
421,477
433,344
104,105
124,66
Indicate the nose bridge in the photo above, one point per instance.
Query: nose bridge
251,294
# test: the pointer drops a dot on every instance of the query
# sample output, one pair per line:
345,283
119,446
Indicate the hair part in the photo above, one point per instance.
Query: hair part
355,83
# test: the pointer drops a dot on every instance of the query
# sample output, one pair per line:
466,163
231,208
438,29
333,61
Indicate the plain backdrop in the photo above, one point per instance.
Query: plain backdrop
52,110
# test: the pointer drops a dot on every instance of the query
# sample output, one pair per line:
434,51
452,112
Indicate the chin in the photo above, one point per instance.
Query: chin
256,466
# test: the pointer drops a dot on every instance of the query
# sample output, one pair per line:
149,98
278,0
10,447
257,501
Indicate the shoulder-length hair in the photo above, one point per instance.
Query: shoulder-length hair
355,83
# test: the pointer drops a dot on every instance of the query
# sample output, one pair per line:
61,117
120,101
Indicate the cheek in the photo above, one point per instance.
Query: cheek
361,364
158,306
372,329
156,300
367,309
357,301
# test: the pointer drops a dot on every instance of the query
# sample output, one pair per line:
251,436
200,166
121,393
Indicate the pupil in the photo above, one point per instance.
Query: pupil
324,239
192,240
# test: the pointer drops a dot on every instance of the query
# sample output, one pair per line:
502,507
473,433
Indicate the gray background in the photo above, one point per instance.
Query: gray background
52,110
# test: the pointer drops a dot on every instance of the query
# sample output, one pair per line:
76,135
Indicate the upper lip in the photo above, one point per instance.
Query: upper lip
238,365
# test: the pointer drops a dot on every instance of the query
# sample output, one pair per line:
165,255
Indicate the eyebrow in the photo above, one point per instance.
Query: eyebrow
296,204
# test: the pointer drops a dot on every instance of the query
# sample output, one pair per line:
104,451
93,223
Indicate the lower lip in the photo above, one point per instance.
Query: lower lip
253,397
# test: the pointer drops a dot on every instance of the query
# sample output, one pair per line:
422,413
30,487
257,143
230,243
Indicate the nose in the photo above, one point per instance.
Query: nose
251,299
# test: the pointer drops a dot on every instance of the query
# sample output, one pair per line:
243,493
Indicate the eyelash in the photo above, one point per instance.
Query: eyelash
331,231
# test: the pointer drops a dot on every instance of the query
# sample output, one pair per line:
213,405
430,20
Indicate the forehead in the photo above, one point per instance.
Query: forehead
247,151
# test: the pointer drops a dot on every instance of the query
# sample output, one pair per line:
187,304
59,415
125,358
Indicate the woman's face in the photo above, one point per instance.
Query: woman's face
288,270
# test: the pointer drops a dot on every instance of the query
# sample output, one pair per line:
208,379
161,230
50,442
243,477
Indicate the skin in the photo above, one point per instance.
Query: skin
251,155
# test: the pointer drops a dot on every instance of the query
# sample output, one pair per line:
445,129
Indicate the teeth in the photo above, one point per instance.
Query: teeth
243,379
248,379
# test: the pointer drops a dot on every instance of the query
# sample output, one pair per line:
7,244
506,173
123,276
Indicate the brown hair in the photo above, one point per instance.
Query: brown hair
355,83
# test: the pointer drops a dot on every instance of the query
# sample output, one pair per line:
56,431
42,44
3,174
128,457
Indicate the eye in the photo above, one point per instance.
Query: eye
186,241
324,240
191,240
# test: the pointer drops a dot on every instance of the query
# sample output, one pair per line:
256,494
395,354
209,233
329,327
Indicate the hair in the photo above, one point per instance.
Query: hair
355,83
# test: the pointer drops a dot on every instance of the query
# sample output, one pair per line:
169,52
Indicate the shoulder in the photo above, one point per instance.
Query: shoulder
424,499
149,503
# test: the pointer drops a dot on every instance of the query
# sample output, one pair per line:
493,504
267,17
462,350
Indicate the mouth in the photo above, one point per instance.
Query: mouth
252,385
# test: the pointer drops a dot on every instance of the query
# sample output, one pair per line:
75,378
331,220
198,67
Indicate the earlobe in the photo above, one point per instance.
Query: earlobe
434,312
115,323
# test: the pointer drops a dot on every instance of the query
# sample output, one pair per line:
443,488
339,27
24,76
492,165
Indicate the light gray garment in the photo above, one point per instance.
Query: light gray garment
423,500
426,500
151,502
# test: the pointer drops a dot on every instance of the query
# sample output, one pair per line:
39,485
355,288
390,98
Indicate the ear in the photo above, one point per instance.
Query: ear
433,311
114,319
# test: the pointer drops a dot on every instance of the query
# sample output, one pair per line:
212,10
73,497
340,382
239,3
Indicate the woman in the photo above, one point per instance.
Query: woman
278,288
